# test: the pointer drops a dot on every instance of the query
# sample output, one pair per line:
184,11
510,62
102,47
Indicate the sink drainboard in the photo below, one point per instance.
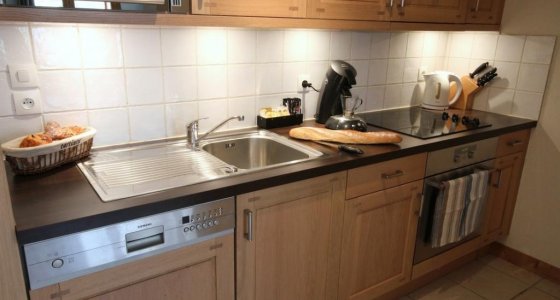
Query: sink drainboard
120,174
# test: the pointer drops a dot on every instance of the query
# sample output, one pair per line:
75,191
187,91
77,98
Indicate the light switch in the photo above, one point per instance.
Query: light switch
23,76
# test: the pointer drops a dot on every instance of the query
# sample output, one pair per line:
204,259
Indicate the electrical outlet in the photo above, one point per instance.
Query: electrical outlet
301,78
421,71
27,102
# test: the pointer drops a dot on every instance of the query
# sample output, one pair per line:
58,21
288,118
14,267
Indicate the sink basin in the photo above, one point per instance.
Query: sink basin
258,149
123,172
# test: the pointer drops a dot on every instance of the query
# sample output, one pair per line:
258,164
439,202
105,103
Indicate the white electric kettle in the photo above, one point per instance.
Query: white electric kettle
436,93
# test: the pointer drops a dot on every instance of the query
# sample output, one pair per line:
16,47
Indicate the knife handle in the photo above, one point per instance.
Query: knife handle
479,69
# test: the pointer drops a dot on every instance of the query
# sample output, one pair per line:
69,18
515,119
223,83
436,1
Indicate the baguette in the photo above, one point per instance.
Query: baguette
345,136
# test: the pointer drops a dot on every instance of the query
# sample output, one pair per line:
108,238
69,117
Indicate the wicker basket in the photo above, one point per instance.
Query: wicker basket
35,160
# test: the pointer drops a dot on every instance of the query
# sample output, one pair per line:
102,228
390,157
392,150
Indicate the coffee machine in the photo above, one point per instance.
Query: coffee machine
338,81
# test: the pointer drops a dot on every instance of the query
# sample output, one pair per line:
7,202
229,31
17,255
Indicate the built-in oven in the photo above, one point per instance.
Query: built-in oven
448,214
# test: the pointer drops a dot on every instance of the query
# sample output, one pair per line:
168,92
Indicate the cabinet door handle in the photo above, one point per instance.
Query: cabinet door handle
390,3
248,224
402,4
497,184
476,7
514,143
397,173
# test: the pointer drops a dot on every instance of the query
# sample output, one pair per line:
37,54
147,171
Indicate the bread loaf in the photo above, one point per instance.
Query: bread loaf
345,136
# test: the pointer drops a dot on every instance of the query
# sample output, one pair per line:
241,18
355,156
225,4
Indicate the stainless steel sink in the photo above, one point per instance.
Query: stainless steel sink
258,149
122,172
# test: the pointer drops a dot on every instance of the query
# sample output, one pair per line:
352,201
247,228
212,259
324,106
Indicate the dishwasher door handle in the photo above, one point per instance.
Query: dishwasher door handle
248,224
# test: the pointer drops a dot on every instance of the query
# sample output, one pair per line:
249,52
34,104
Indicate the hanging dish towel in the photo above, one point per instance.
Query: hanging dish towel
449,210
476,200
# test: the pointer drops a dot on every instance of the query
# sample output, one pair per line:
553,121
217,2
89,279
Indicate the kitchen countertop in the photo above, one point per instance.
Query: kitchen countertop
62,201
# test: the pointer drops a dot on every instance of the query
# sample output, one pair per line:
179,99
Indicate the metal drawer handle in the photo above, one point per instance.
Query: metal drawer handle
397,173
514,143
248,224
497,184
402,4
390,3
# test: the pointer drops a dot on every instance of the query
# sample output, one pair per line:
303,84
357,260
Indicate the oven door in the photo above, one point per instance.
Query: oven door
424,249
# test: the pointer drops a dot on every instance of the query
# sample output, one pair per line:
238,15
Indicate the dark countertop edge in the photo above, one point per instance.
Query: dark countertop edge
90,222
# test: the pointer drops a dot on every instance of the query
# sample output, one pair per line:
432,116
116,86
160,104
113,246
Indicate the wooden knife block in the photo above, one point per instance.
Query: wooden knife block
470,88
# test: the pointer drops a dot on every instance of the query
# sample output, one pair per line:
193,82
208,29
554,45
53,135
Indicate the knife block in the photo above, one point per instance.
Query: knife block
470,88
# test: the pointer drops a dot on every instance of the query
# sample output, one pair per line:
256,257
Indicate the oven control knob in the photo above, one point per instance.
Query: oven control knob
475,122
465,120
455,118
57,263
444,116
198,226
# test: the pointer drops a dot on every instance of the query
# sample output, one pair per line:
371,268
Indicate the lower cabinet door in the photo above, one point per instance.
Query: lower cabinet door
378,241
502,196
288,240
200,271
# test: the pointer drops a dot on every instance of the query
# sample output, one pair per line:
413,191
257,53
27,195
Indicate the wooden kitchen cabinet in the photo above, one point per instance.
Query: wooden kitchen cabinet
201,271
485,11
288,240
429,11
504,184
379,232
372,10
261,8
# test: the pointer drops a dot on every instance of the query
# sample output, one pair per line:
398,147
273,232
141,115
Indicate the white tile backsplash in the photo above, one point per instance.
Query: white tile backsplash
270,46
398,44
136,83
241,80
510,47
380,43
68,118
341,44
13,127
147,122
377,72
62,90
212,46
178,115
361,45
112,126
538,49
144,86
15,44
105,88
212,82
532,77
527,104
180,84
6,103
141,47
56,46
178,46
101,47
318,42
241,46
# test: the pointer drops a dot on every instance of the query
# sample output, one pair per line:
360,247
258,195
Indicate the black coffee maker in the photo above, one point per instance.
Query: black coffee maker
338,81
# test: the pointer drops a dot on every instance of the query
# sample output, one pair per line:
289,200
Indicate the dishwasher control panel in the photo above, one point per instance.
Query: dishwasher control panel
69,256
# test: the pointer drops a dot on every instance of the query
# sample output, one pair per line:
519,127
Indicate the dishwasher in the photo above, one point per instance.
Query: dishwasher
66,257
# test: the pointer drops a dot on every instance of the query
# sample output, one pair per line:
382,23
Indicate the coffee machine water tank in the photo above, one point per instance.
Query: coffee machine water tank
338,81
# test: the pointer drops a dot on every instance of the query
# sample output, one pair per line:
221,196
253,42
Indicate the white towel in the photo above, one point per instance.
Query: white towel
476,200
448,215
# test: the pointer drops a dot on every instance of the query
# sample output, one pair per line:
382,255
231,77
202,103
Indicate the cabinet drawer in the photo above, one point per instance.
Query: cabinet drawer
513,142
376,177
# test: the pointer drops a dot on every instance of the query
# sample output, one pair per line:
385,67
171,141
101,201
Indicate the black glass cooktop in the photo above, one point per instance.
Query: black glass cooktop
424,123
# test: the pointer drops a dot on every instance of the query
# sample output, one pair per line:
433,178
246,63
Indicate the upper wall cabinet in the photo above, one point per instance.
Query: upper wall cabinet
371,10
430,11
485,11
261,8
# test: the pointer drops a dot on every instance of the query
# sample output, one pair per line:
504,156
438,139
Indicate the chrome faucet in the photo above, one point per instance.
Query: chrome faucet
192,131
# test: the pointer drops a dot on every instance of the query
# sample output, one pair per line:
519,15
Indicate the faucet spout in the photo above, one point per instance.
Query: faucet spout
193,139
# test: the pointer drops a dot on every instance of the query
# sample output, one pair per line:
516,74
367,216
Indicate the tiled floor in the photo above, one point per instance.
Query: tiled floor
489,278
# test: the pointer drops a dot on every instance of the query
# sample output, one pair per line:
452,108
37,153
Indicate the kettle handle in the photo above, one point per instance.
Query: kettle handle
453,77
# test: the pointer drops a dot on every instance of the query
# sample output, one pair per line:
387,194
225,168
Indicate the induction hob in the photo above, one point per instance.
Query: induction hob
423,123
